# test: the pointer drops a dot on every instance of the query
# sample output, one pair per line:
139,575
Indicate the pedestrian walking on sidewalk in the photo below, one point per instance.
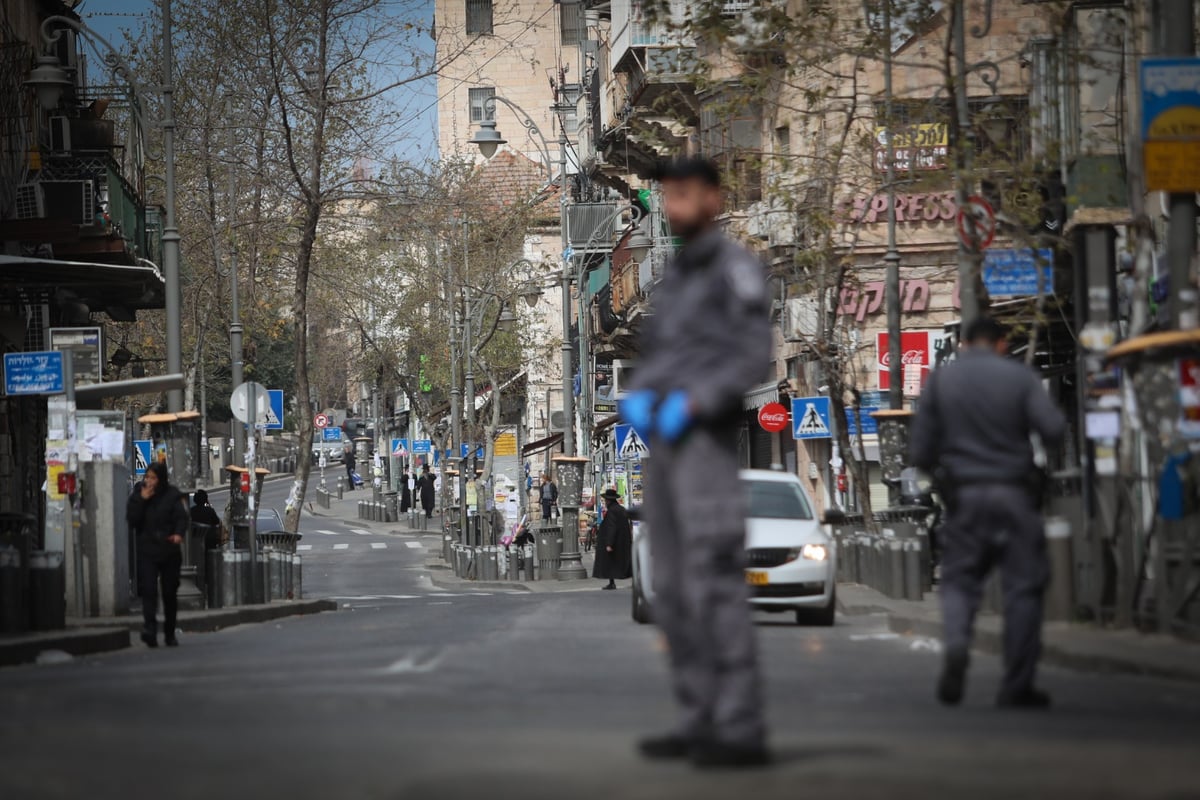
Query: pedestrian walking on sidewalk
707,342
405,494
203,513
973,434
351,462
427,491
158,513
548,493
614,543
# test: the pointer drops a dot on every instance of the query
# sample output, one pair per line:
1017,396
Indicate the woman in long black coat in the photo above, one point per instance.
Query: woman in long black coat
405,494
158,514
614,543
426,489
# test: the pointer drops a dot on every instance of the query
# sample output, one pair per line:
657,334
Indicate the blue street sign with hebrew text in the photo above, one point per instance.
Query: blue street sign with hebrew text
1013,273
331,434
33,373
422,446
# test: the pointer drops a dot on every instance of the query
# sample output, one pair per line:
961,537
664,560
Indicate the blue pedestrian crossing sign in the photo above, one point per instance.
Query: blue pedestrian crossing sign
142,449
629,444
274,410
399,448
810,418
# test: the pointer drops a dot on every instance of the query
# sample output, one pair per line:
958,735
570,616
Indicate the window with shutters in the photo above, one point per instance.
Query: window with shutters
479,17
477,99
571,23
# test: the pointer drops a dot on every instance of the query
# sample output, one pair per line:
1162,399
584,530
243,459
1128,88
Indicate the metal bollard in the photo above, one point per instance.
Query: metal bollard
1060,594
493,560
340,487
895,569
513,564
913,585
297,577
447,544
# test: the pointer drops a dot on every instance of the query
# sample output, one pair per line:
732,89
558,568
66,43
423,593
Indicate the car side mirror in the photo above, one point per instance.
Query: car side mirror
833,516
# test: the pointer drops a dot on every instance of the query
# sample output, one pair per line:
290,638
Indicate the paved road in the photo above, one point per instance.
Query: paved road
410,692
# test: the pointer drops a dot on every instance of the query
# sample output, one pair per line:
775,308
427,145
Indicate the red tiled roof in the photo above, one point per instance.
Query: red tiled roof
512,178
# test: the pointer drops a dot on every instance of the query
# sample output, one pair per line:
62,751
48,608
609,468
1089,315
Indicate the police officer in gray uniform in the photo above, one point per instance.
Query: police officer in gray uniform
972,432
707,342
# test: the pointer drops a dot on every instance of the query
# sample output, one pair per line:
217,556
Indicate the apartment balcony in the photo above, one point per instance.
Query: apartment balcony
80,208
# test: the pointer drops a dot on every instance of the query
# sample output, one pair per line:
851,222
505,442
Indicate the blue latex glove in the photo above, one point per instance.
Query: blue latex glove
674,416
638,410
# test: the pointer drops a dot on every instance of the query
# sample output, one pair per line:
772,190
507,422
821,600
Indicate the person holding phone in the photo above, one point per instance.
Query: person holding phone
157,512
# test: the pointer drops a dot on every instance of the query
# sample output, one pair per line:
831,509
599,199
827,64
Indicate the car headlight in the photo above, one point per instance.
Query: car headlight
814,552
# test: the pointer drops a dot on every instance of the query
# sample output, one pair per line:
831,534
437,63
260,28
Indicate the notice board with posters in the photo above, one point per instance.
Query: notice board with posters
1171,123
87,352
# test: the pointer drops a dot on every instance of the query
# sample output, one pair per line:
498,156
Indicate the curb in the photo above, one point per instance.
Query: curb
75,642
211,620
451,582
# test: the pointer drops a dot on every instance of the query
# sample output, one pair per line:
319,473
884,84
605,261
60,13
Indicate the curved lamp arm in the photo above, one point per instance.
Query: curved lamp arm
111,55
489,109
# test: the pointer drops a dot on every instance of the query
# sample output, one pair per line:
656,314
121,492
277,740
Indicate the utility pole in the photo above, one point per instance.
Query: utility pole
568,383
1176,28
170,239
969,257
892,257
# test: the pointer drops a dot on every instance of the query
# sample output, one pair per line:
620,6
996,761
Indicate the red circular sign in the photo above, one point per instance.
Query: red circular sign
773,417
976,223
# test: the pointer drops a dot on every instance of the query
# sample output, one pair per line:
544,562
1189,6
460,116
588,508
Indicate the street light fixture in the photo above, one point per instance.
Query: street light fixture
507,319
487,138
49,80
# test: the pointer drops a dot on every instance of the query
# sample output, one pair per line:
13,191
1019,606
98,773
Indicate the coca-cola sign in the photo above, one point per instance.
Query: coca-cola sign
773,417
918,355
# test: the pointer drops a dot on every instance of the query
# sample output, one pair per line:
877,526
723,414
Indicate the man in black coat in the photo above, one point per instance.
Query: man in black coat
614,543
427,490
158,512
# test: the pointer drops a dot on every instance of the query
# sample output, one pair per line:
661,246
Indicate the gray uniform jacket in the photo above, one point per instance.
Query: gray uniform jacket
975,418
710,333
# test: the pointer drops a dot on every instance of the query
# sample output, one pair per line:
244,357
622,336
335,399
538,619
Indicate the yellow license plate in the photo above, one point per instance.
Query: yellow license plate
756,578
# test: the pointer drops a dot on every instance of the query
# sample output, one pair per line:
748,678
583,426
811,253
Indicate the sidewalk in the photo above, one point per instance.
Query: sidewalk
1071,645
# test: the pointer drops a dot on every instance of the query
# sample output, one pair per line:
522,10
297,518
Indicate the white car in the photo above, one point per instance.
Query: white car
790,560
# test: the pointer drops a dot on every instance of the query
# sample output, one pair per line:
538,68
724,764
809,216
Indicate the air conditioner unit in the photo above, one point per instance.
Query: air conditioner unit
622,376
60,135
30,202
558,421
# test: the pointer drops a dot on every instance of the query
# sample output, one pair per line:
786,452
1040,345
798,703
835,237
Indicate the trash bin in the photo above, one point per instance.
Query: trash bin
549,551
282,541
47,591
203,539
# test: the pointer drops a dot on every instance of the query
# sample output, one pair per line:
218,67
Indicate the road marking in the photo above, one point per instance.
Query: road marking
409,664
303,547
379,597
361,532
925,643
447,603
378,545
341,547
330,533
874,637
414,545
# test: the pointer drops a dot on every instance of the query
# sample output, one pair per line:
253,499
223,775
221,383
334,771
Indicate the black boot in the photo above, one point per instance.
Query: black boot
611,585
666,747
954,678
1029,698
722,755
150,636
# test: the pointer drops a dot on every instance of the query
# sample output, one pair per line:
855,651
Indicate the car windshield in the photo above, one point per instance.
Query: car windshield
268,521
777,500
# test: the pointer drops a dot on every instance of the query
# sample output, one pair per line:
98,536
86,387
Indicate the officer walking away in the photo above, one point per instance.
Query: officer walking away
614,543
707,342
972,433
548,493
158,512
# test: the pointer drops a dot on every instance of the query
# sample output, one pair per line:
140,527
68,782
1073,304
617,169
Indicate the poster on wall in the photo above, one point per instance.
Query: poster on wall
1189,397
919,352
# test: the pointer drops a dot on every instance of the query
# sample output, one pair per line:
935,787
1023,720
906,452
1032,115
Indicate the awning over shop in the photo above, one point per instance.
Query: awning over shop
116,289
759,396
533,448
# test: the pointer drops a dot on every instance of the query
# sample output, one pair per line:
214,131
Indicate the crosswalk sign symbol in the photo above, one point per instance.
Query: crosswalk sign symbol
273,418
141,455
629,444
810,418
399,448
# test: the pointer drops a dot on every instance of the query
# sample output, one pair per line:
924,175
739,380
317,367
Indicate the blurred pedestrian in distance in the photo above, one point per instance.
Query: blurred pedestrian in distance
427,491
707,342
973,434
548,494
405,493
204,514
351,462
614,543
158,512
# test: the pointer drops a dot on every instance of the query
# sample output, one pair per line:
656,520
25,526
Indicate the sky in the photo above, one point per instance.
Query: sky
110,18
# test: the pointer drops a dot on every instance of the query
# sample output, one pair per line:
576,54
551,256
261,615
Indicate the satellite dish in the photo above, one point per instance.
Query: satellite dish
239,402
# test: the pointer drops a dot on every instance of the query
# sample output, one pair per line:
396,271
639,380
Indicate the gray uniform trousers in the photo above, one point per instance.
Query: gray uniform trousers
996,524
697,524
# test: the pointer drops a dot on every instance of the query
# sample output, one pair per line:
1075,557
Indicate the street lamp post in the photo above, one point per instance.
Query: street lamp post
488,139
49,79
